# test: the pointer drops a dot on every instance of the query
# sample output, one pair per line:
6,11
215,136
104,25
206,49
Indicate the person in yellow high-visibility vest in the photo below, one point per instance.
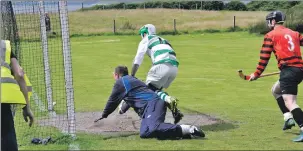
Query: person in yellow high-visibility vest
13,91
29,91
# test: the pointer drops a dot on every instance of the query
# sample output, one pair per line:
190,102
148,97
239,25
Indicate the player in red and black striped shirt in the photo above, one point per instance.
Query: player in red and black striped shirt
285,44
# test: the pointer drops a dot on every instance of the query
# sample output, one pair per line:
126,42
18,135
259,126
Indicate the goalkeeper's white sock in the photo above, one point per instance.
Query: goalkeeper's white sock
188,129
185,129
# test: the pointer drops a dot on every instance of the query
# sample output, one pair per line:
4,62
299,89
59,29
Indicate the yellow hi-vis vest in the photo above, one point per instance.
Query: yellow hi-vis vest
10,90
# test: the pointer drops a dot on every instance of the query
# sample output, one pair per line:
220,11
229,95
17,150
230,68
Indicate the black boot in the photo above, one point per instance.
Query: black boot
177,116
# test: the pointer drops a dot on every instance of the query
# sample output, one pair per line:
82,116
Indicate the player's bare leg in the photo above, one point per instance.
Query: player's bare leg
289,122
291,103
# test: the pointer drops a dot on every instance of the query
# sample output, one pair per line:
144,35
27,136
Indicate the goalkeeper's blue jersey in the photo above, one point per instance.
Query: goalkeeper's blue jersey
135,92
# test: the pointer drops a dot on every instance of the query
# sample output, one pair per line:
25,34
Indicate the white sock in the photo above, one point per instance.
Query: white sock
287,116
301,129
185,129
188,129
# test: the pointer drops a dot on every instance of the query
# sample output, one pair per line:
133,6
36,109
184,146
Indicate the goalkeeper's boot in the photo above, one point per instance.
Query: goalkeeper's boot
299,138
289,124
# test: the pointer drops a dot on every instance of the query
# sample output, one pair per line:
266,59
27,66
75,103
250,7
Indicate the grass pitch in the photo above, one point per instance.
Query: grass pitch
207,82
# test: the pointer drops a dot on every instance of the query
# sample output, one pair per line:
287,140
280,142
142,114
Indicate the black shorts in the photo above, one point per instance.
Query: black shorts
290,78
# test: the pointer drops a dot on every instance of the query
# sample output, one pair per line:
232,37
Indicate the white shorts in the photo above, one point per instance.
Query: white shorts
161,75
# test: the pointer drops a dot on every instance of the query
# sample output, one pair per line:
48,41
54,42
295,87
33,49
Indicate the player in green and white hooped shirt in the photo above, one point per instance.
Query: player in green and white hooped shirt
165,65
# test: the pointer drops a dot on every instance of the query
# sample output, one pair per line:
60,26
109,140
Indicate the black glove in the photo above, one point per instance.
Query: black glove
102,117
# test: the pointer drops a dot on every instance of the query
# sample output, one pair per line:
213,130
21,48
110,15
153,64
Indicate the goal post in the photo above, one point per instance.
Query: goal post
44,44
67,68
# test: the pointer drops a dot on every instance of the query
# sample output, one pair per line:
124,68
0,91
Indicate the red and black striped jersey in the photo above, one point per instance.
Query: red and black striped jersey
285,44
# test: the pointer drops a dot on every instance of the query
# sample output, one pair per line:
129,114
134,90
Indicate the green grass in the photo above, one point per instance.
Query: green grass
207,82
100,22
33,65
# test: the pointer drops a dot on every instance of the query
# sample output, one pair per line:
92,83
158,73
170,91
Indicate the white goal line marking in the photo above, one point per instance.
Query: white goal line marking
74,146
41,106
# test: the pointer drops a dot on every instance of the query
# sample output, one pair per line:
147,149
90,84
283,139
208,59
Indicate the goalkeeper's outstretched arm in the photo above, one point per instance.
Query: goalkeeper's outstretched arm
115,98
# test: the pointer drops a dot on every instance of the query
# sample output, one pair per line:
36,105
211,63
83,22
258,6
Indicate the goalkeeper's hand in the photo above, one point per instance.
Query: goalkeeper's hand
120,107
123,107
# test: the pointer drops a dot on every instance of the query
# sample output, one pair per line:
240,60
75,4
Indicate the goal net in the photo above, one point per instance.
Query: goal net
39,35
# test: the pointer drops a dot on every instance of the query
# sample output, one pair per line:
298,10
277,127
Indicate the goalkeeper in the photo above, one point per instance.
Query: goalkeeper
148,106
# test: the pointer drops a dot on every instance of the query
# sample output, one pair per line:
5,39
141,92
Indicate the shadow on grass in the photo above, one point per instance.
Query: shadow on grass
221,125
133,134
111,135
293,132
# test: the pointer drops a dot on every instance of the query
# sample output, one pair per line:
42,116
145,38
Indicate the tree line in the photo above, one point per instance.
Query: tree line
203,5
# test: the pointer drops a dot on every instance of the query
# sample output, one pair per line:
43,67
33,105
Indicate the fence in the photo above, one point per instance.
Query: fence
173,30
39,35
168,21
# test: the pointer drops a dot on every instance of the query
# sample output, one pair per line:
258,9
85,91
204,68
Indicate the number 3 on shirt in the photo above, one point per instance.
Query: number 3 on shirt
290,42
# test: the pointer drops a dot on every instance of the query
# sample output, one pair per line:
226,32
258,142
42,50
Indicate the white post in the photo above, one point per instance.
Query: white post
44,44
67,68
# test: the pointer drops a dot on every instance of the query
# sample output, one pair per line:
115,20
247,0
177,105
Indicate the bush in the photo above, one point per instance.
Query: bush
207,5
213,5
211,31
232,29
132,6
293,21
235,5
128,26
259,27
270,5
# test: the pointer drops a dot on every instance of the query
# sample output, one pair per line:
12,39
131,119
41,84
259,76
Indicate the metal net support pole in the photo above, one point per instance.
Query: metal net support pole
44,44
67,68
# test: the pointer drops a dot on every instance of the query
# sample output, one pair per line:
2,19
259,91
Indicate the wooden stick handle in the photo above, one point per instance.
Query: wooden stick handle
269,74
247,77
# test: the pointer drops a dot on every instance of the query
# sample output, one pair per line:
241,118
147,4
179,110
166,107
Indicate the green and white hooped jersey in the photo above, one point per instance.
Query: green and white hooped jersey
158,49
